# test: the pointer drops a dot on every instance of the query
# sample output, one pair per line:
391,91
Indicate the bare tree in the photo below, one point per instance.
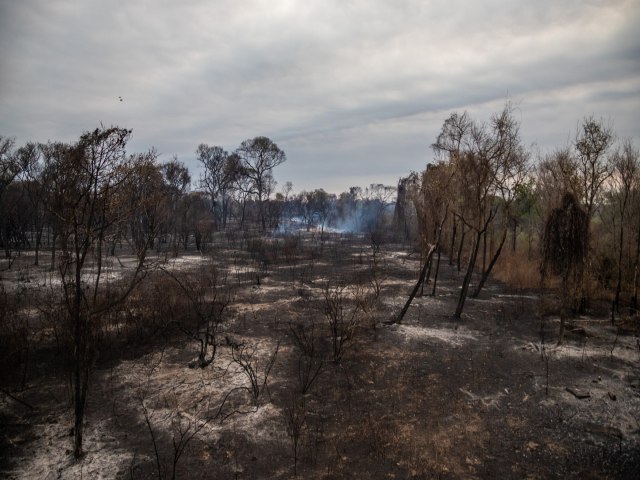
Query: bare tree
245,357
208,299
93,171
592,144
31,161
310,360
343,318
314,207
9,169
487,160
259,157
9,164
403,220
296,417
376,198
626,181
176,183
144,189
242,185
197,218
217,178
556,174
54,187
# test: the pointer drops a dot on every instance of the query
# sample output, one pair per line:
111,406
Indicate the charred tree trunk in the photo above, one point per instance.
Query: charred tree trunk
38,244
427,275
460,247
52,267
636,275
563,306
615,307
414,292
484,251
467,277
435,275
453,240
487,272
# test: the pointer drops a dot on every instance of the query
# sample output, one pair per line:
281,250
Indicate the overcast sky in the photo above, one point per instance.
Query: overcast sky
354,91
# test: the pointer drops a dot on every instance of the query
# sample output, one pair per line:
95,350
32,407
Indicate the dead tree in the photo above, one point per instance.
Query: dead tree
489,162
565,248
310,361
245,357
343,320
207,299
417,286
625,180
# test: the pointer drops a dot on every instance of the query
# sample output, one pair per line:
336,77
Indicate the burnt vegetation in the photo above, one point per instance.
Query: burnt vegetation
478,320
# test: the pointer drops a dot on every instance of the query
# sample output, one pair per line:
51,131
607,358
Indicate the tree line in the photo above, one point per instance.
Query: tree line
168,208
484,191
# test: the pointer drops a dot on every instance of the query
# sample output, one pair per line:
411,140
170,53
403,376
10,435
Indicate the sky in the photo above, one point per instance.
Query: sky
353,91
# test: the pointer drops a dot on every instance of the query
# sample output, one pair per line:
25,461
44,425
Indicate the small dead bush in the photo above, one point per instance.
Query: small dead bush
244,356
311,357
344,311
207,298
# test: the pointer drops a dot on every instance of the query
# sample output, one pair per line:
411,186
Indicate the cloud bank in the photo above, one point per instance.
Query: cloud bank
353,91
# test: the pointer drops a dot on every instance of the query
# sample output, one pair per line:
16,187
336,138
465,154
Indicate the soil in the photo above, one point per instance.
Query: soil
489,396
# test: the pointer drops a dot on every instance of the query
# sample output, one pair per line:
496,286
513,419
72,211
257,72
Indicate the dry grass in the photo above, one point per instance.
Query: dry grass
517,270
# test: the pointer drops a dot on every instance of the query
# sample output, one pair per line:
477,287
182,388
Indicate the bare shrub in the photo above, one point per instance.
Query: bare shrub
164,411
343,316
310,360
245,357
296,418
207,298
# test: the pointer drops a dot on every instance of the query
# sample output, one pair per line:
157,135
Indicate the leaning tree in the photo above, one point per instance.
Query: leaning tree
565,248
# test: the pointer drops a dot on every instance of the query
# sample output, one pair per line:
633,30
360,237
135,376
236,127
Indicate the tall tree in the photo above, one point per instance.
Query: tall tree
145,189
219,172
566,241
593,142
259,157
9,170
488,161
54,181
626,182
30,158
176,183
592,145
93,173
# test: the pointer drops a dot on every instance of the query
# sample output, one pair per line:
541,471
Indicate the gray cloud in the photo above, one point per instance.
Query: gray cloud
353,91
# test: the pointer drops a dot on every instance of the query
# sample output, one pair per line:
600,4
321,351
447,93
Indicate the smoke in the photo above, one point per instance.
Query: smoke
352,212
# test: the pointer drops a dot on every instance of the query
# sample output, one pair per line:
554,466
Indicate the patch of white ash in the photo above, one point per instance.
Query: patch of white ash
457,337
50,455
488,401
624,349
